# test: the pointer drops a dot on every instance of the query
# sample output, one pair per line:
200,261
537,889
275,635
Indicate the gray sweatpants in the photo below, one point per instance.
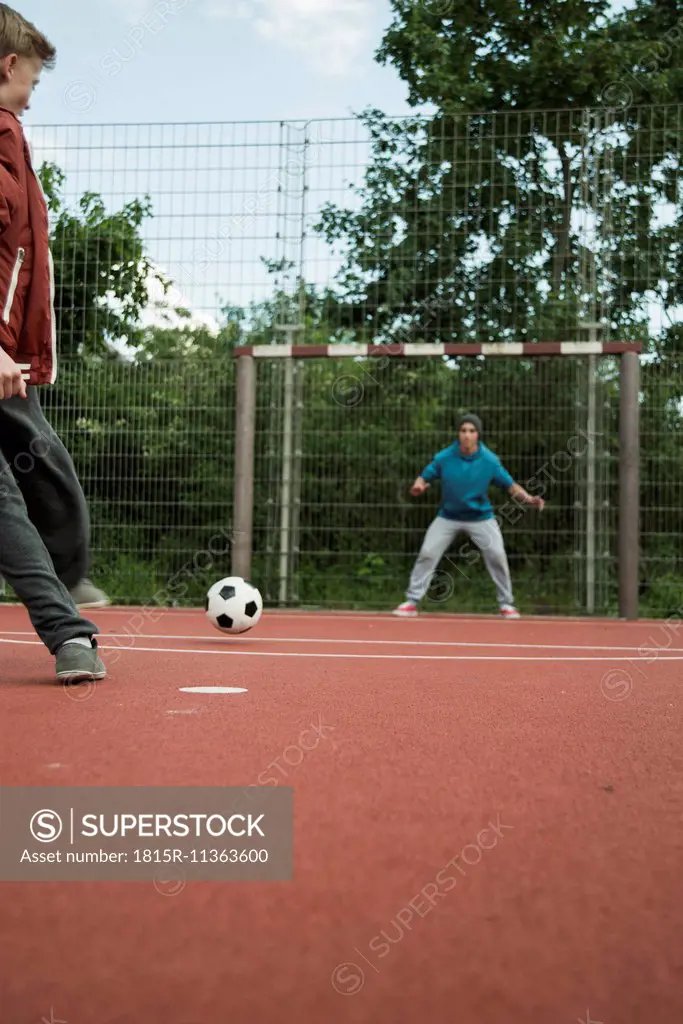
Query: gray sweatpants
44,522
442,532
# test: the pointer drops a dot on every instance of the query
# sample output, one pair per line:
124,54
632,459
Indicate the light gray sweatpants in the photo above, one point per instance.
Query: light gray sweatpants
442,532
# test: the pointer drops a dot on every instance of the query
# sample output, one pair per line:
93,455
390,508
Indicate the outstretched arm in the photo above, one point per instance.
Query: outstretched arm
517,491
429,473
503,479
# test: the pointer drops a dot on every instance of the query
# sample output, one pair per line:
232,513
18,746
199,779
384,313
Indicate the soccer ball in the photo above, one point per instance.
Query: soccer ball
233,605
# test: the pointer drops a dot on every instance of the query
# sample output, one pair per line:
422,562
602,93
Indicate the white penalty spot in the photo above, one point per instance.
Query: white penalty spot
212,689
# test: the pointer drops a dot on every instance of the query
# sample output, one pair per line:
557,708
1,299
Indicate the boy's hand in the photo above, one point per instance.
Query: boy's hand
527,499
11,381
419,487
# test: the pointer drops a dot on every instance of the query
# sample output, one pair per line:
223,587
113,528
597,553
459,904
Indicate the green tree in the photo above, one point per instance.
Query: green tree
101,269
469,224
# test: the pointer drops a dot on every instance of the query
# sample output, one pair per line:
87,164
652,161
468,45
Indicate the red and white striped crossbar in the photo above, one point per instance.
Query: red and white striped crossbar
503,348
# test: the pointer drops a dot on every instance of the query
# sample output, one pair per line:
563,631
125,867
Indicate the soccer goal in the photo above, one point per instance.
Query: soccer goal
329,437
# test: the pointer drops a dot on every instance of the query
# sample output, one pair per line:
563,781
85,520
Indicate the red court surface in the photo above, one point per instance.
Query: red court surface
488,828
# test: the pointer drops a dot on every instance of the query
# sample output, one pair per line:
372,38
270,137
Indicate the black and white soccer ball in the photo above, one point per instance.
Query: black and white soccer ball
234,605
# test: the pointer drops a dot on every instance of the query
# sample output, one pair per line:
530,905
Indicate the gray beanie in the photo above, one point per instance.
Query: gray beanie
470,417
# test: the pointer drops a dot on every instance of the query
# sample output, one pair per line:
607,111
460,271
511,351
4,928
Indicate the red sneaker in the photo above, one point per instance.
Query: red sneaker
407,610
509,613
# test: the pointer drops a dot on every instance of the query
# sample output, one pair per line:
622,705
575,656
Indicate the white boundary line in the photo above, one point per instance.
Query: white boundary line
402,643
374,657
362,657
242,639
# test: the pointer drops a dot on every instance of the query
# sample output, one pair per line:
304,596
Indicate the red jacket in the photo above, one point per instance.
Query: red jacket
27,319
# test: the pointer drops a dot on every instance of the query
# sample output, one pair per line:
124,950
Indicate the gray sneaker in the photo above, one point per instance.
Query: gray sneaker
77,664
86,595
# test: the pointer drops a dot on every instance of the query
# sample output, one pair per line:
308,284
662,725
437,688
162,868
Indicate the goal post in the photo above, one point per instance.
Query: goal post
629,482
627,352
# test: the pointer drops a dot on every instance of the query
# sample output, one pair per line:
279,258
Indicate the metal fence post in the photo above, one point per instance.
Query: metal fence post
245,429
591,483
629,485
286,484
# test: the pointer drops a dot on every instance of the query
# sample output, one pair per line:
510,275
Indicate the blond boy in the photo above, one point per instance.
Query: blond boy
44,524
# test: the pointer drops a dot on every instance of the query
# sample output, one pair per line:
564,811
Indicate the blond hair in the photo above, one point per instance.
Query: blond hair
17,35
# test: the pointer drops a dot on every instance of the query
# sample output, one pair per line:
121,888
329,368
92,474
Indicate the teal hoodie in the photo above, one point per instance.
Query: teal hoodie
465,480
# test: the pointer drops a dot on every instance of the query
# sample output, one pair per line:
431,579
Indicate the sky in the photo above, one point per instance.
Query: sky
212,60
